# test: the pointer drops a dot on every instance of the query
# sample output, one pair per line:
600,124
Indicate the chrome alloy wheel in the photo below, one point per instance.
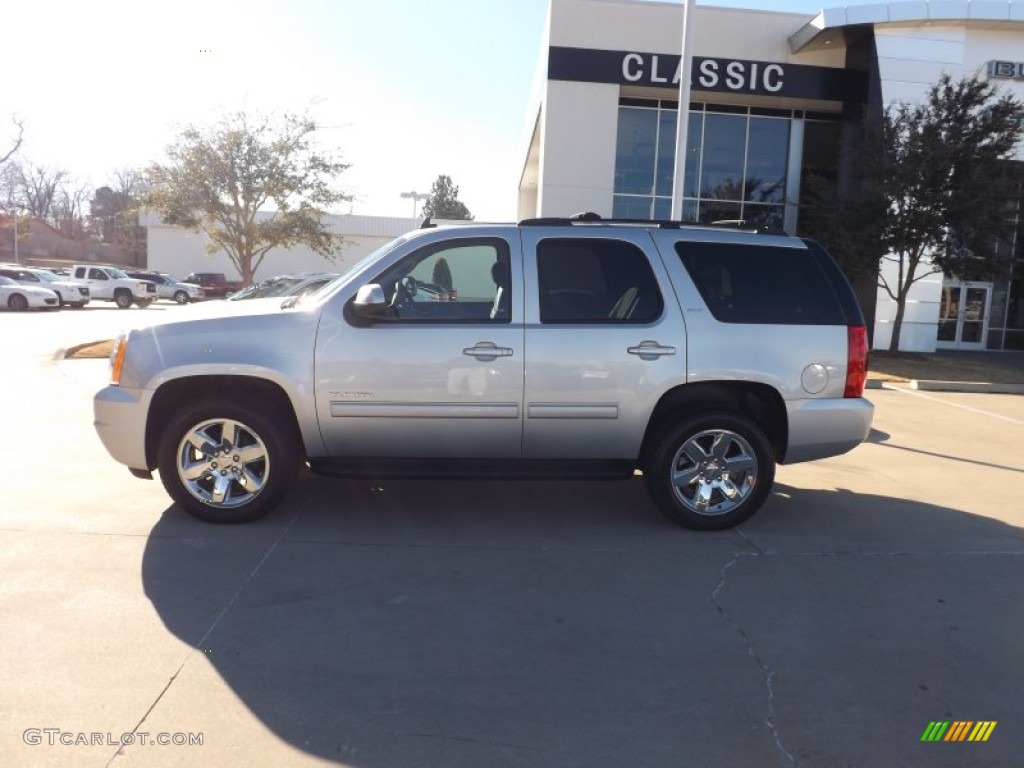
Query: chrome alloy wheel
714,471
223,462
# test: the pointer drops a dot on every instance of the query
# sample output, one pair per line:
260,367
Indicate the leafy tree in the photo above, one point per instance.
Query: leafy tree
442,274
937,179
444,201
217,179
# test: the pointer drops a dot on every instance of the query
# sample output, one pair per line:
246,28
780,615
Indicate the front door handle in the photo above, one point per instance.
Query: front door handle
486,351
650,350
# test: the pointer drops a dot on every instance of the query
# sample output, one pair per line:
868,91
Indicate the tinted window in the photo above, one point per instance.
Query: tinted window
468,281
761,284
595,281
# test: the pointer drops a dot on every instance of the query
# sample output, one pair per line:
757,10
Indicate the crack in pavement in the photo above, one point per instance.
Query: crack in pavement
766,671
209,630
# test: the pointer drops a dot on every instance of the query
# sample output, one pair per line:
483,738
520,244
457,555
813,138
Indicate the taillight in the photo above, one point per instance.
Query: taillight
856,360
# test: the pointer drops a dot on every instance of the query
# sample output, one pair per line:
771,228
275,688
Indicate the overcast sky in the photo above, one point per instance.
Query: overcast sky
405,89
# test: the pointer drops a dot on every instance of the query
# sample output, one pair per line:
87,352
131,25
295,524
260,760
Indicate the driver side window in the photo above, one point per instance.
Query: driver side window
468,281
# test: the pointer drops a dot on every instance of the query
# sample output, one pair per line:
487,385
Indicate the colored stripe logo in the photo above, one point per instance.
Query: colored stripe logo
958,730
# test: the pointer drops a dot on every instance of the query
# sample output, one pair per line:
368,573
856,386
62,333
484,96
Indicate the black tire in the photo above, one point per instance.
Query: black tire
17,303
181,297
143,303
274,440
77,306
123,298
742,445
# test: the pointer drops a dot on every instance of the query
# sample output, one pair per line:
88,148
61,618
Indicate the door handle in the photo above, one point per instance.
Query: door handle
650,350
486,351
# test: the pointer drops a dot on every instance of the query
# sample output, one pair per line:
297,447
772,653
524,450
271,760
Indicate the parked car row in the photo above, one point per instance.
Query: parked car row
46,288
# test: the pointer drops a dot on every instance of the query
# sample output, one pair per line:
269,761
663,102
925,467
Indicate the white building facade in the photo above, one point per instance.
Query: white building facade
776,99
179,251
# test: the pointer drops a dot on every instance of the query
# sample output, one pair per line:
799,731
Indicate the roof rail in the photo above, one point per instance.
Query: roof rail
589,217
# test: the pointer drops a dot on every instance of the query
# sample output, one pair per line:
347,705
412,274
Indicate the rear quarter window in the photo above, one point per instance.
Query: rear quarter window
765,285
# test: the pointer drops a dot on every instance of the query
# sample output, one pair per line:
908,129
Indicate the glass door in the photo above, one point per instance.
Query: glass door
963,315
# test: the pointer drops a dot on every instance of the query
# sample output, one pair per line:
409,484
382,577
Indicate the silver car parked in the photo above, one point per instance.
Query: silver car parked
698,356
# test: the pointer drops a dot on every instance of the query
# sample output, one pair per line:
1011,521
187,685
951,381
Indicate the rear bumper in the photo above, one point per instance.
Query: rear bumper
120,421
822,428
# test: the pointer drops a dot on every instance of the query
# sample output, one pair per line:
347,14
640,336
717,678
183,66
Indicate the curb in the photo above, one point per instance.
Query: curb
982,387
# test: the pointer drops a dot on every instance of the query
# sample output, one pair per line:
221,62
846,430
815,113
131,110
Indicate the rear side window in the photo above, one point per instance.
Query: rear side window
595,281
761,284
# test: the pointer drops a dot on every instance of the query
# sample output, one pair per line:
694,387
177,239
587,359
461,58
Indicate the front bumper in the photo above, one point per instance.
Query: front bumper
822,428
120,421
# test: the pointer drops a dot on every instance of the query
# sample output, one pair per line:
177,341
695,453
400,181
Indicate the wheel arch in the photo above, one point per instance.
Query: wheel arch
174,393
761,403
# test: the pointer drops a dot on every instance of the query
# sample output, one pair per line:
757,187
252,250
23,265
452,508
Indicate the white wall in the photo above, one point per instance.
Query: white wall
921,316
577,148
179,251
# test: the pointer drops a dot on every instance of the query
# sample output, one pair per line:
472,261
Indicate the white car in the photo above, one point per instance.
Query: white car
18,297
68,291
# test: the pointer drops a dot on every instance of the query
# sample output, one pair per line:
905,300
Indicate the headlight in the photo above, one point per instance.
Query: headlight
117,358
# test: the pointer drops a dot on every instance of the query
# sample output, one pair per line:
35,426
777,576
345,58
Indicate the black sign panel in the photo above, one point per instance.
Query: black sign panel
662,70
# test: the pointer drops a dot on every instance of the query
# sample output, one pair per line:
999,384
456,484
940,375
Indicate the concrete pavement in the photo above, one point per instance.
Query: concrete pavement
510,623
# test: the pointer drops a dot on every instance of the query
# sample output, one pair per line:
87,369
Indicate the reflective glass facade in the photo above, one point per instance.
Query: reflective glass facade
736,165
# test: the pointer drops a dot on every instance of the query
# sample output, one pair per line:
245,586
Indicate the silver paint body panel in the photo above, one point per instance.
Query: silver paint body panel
554,392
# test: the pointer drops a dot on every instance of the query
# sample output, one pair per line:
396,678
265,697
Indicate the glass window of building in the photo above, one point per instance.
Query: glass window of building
736,163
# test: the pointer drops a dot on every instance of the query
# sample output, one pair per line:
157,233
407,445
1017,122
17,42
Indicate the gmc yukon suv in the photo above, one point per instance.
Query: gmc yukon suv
700,357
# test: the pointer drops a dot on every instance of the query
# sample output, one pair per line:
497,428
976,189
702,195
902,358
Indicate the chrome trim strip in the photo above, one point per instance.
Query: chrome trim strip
570,411
425,410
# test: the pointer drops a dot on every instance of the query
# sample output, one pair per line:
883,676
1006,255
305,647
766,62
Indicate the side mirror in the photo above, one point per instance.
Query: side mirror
370,302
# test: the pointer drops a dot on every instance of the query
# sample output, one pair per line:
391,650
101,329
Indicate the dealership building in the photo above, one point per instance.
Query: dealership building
777,98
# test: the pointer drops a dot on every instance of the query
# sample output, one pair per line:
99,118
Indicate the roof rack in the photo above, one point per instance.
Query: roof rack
589,217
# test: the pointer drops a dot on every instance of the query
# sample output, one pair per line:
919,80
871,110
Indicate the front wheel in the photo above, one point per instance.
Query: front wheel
17,302
123,298
226,463
181,297
711,471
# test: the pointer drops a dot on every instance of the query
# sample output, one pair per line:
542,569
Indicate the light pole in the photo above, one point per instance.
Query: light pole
416,197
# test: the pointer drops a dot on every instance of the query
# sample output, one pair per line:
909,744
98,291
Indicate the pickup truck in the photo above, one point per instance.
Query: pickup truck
112,284
556,347
214,284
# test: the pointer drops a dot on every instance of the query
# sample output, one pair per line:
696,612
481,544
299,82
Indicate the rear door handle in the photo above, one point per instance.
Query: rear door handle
486,351
650,350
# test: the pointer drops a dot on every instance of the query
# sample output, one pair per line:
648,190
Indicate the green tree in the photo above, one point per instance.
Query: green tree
937,179
220,178
444,201
442,274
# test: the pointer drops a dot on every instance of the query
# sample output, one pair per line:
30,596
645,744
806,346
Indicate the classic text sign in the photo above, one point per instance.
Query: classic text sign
662,70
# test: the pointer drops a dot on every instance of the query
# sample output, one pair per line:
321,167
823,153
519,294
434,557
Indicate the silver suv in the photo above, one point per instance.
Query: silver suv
698,356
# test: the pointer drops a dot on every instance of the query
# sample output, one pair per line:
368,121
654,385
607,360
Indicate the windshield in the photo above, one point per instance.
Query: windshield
117,273
275,286
6,281
48,277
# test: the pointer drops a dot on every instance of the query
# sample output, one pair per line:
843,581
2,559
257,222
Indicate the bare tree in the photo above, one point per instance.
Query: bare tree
16,143
36,189
69,210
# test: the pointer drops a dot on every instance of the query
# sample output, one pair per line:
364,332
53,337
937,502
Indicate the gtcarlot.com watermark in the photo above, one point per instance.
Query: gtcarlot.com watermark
55,736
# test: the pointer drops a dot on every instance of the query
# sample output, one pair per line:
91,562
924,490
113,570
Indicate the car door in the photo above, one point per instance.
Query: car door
441,375
604,340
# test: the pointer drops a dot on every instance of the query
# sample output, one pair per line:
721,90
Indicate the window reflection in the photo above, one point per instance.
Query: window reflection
736,164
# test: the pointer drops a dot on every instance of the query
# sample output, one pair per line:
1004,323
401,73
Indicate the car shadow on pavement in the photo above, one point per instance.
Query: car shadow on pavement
415,623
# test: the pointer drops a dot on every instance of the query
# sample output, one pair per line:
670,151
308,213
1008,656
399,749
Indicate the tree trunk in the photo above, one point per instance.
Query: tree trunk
897,325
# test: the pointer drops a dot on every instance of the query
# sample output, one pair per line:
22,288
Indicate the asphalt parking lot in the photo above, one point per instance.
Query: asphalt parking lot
428,623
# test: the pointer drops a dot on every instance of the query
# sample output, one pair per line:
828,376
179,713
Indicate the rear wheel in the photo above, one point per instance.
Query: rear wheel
17,302
123,298
226,463
711,471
